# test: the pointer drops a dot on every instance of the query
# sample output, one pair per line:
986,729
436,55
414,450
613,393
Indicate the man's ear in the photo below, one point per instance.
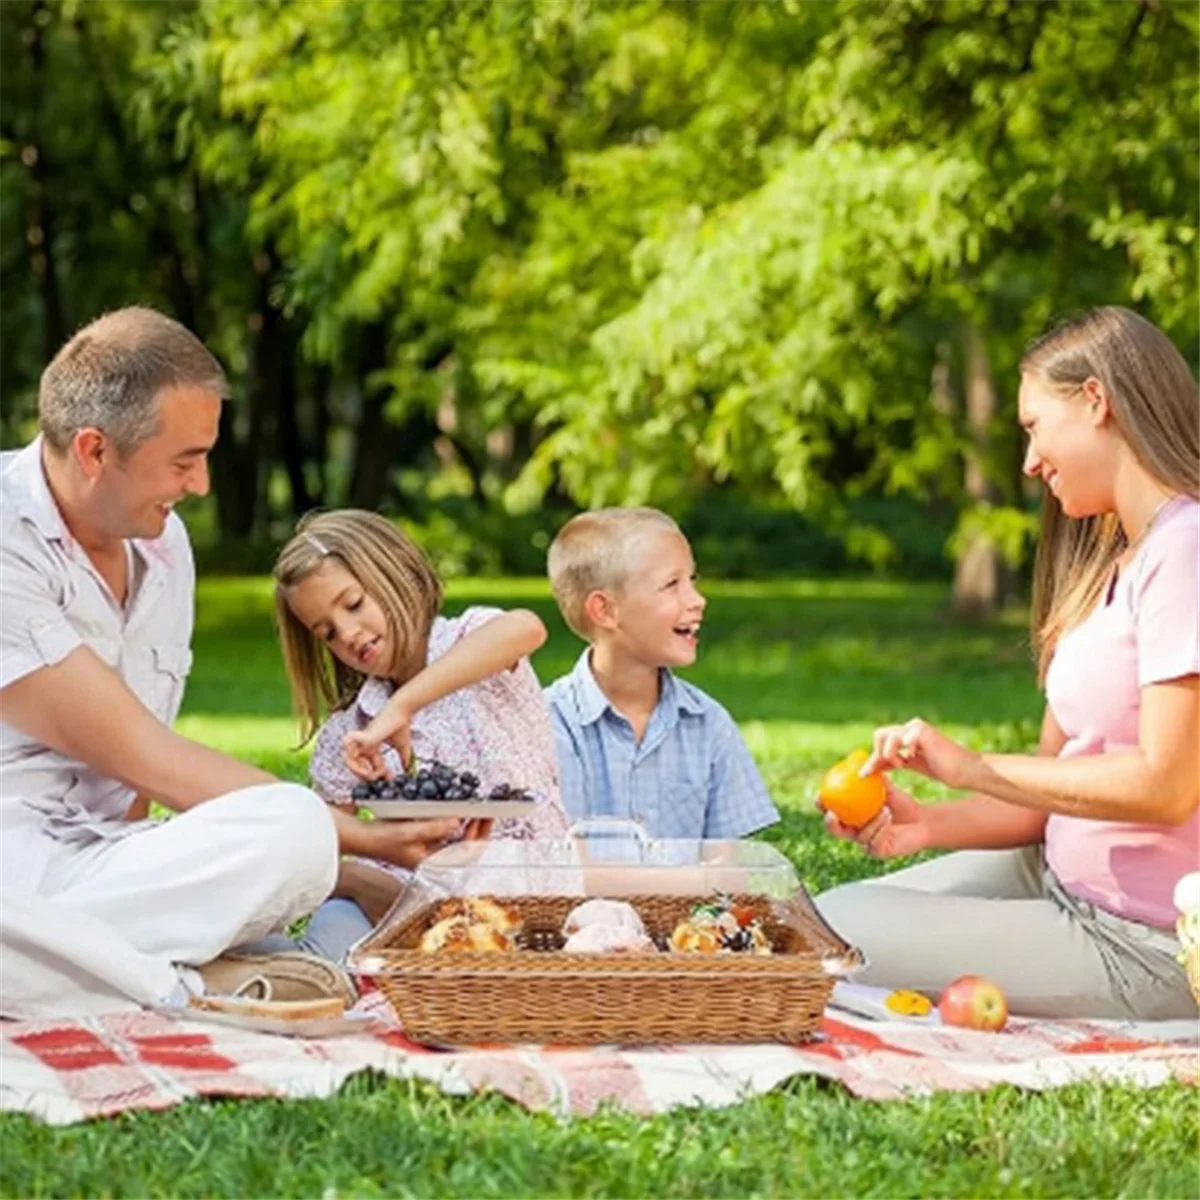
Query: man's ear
600,609
92,451
1098,400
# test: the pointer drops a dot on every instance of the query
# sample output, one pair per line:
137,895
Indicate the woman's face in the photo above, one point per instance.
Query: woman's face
336,609
1072,447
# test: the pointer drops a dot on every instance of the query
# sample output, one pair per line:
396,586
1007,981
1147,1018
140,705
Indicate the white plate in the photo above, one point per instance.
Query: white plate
347,1025
404,810
866,1001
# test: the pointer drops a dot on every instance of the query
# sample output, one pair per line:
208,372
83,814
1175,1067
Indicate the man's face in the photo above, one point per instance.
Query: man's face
134,496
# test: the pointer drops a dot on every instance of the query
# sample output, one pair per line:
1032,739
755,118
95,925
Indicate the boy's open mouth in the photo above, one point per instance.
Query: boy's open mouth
690,632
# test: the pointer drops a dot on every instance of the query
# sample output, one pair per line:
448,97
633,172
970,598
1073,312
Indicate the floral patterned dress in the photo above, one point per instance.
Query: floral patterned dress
499,728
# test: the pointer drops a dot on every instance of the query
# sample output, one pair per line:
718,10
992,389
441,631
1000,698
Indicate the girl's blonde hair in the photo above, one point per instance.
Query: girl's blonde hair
1156,410
390,568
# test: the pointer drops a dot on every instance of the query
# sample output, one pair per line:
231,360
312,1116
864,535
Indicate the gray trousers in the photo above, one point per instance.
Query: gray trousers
1001,914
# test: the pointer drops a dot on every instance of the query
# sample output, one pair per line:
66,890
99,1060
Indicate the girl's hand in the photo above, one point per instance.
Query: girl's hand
362,749
900,828
918,746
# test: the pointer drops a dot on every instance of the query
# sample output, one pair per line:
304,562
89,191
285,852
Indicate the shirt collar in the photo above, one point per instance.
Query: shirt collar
591,703
31,492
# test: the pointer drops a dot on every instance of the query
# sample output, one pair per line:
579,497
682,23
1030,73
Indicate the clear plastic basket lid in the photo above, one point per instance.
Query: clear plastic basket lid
602,857
608,856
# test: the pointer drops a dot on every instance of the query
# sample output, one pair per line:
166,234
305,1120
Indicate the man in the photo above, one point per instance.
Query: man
96,595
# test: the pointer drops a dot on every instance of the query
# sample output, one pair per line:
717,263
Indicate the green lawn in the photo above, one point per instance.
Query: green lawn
808,669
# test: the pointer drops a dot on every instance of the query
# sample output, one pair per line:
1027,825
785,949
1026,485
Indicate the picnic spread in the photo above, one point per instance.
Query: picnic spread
702,976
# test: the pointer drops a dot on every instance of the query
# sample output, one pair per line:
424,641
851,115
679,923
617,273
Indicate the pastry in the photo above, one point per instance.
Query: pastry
482,910
607,939
614,913
720,926
458,933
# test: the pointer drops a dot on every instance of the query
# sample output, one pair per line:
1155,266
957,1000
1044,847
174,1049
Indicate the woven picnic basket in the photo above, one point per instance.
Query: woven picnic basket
537,993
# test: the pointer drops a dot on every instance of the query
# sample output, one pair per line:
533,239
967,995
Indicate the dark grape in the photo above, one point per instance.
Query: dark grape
360,791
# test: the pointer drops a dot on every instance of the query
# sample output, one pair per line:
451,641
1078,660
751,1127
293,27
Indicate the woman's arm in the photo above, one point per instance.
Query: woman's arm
1157,782
496,645
977,822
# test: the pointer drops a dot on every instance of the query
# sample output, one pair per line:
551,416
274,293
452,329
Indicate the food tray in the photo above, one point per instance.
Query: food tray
536,993
413,810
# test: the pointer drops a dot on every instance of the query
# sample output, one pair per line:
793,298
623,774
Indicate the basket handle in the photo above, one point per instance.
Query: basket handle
611,827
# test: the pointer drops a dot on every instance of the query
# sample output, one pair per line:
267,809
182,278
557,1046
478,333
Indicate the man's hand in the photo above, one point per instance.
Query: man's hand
402,843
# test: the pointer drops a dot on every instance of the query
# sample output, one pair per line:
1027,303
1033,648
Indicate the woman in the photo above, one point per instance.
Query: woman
1061,892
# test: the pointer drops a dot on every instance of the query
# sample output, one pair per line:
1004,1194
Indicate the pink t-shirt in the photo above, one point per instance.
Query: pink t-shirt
1147,632
499,728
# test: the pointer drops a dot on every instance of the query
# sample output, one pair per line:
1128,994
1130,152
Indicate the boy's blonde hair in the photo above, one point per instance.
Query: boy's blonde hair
593,552
390,568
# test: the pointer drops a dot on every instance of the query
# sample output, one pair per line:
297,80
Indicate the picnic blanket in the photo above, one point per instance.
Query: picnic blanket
63,1071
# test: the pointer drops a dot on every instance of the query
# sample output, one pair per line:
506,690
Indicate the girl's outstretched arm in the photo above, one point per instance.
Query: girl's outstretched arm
495,646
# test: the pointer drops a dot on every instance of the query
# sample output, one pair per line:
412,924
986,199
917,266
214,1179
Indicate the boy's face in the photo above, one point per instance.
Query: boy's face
657,614
335,608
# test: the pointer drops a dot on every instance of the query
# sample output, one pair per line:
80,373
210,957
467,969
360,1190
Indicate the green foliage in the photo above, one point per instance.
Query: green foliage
589,253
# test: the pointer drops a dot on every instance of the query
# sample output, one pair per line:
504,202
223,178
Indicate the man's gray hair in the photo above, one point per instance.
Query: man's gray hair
110,374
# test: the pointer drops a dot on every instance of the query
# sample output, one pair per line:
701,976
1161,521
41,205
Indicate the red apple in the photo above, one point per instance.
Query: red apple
973,1002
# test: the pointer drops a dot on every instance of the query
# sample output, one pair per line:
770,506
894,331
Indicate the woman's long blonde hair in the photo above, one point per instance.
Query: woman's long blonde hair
1156,409
392,571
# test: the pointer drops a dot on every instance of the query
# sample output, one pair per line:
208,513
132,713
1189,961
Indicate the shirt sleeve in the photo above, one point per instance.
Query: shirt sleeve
1167,606
35,632
331,779
738,800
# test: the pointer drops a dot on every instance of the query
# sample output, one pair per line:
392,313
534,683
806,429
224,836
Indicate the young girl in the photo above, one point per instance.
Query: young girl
367,649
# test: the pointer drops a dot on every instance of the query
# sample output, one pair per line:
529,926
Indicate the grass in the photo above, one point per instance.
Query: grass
808,669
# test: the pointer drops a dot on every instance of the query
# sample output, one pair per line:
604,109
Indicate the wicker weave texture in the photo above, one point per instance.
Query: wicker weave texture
539,994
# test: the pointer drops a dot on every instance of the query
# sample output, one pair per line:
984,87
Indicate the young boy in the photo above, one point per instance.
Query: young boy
632,740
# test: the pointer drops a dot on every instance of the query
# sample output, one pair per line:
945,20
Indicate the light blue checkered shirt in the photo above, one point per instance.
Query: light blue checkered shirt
691,777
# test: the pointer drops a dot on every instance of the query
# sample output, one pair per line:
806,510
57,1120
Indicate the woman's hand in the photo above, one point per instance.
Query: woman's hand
918,746
900,828
362,749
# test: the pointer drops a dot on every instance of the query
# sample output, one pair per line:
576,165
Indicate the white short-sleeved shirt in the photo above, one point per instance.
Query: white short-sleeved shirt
53,600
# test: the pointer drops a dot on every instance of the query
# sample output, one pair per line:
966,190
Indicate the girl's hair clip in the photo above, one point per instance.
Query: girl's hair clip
318,545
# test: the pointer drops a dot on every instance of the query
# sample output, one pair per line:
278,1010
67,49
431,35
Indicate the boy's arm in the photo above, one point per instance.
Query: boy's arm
495,646
738,800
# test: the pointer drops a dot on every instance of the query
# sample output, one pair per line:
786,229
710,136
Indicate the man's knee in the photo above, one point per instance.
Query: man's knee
301,826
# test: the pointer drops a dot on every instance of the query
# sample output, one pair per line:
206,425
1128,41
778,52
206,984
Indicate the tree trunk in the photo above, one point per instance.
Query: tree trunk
980,576
374,446
291,440
39,216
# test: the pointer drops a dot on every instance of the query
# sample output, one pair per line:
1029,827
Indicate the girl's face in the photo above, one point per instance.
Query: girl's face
334,607
1073,446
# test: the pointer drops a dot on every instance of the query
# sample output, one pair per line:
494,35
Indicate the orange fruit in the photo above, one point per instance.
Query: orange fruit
851,798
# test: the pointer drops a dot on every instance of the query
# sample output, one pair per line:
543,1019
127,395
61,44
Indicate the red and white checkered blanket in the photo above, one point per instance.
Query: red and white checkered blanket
67,1071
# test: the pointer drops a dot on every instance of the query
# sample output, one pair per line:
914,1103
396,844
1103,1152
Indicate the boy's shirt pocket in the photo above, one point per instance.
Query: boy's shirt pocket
679,810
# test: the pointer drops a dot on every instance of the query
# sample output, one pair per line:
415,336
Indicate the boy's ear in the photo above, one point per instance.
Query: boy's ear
600,609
